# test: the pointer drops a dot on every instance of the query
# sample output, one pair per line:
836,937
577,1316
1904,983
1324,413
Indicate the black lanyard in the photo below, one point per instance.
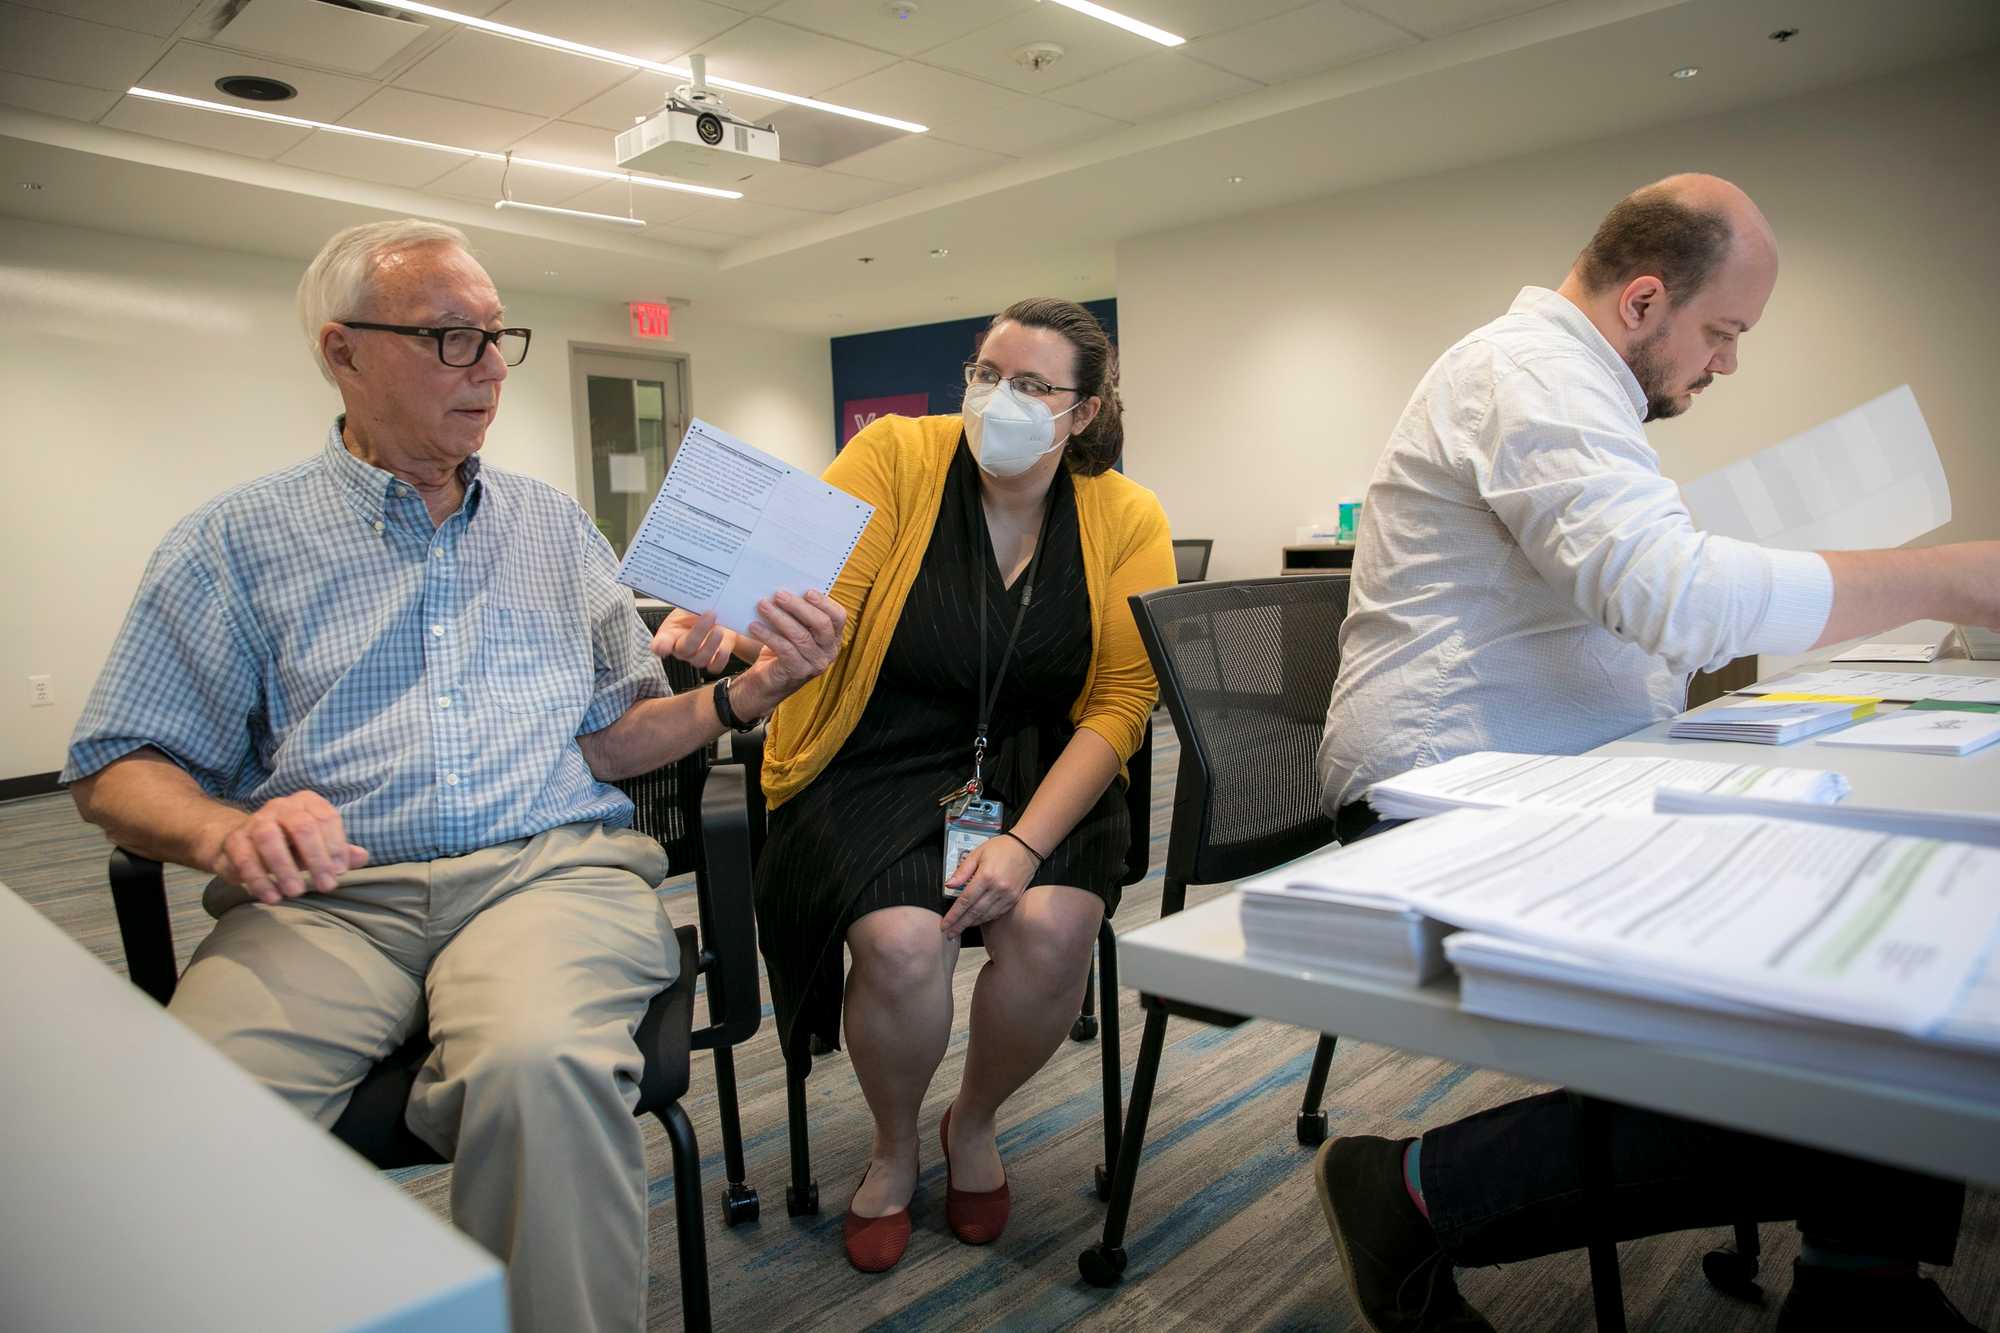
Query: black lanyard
987,699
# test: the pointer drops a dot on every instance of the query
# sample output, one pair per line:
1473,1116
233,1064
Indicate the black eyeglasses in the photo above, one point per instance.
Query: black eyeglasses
459,346
980,375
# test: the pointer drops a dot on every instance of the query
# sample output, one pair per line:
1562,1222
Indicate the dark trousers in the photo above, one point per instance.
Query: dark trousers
1504,1185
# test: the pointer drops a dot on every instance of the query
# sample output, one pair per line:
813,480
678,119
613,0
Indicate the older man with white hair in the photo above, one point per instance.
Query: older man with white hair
378,695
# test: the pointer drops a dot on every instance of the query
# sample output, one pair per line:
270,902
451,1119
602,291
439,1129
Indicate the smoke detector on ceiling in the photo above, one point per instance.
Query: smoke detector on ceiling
1038,56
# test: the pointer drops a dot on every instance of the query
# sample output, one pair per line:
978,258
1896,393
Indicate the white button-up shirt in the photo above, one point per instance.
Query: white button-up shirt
1524,577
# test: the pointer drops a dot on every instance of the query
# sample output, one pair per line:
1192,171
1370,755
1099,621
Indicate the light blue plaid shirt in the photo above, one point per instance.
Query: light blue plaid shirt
311,631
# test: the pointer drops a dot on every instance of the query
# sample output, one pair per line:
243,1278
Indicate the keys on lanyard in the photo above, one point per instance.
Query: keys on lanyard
955,800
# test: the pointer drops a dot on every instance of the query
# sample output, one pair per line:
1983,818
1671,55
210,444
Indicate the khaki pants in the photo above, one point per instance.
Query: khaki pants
532,963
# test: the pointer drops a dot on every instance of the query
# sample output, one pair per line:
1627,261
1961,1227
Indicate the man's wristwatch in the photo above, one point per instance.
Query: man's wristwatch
727,714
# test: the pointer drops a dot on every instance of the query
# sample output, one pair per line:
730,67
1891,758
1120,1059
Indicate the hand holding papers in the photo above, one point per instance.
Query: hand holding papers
1494,780
732,524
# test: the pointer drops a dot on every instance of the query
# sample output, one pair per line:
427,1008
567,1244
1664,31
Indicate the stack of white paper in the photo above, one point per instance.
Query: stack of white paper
1982,645
1491,780
1902,686
1760,723
1891,652
1525,983
1956,825
1860,928
1924,731
1374,936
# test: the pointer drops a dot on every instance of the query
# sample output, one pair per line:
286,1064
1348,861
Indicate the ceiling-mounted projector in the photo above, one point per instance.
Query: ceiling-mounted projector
694,135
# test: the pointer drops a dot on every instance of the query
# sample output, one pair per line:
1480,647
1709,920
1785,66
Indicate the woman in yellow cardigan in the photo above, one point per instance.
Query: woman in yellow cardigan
1011,514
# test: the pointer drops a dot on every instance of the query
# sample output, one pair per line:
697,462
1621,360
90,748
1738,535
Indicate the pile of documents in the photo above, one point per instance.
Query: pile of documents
1904,686
1492,779
1775,720
1925,731
1863,930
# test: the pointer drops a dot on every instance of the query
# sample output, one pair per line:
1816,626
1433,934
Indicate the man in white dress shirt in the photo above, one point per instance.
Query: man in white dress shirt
1526,579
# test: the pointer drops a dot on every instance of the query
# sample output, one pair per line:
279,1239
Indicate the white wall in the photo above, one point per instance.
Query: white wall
139,378
1266,358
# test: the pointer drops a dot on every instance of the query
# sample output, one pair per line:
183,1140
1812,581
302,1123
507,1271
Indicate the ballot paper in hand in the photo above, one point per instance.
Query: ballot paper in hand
1868,478
732,524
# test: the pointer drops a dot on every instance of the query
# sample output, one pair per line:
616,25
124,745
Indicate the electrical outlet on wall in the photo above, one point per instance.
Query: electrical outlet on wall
40,693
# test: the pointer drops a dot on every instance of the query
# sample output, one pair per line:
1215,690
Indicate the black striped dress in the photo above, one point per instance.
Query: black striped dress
867,833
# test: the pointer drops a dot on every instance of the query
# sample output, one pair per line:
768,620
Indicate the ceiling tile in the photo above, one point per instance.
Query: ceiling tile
644,28
479,67
158,17
1199,18
645,92
750,6
191,69
480,181
1305,41
934,23
1152,86
370,160
789,59
921,159
440,119
968,111
741,218
811,188
815,138
1088,47
1439,18
184,124
658,207
55,99
51,46
560,141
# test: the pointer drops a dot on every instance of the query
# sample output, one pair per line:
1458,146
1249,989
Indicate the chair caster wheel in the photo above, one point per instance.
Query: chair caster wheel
1103,1184
739,1205
802,1202
1312,1128
1732,1274
1084,1029
1101,1266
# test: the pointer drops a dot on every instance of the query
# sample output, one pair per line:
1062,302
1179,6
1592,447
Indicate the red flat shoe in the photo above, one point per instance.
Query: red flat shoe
976,1217
875,1244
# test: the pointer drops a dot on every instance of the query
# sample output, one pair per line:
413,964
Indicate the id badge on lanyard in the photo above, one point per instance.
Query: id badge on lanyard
967,825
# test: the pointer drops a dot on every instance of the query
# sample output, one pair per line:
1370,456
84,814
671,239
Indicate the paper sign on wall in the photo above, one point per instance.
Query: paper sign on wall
1868,478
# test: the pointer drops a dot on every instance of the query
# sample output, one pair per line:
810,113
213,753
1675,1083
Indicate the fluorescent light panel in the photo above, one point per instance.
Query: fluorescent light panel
248,113
542,39
572,212
1118,20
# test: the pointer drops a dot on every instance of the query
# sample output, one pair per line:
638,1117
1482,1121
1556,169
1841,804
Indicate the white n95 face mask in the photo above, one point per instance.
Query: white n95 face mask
1008,433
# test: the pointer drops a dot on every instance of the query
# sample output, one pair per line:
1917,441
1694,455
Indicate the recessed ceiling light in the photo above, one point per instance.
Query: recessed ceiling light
939,253
1234,180
222,108
542,39
1118,20
1687,71
256,88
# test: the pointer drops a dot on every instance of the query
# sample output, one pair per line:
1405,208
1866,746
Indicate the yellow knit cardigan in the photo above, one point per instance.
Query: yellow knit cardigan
899,464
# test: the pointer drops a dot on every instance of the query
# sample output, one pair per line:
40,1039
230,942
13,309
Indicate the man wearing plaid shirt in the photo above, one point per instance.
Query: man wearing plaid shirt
378,695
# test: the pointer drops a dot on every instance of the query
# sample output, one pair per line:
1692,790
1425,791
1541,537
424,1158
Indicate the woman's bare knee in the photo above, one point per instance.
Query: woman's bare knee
900,948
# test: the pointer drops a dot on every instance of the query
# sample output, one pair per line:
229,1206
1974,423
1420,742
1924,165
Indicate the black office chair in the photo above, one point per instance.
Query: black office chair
697,810
1246,668
802,1194
1191,558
